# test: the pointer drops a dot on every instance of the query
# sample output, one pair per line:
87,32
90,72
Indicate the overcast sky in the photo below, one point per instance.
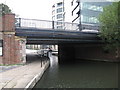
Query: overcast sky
35,9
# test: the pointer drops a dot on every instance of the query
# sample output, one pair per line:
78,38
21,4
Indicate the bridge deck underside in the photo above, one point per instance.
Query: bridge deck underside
49,36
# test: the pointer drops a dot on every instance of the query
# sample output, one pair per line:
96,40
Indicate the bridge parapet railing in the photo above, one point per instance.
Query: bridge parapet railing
65,25
34,23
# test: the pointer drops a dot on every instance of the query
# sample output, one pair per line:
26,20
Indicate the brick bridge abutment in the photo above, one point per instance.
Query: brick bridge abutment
12,48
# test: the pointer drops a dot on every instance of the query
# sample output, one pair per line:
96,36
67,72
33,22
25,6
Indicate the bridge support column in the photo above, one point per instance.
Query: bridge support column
11,47
66,53
20,49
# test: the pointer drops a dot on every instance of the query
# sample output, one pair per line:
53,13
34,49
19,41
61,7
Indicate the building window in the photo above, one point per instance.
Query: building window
59,10
1,47
59,4
92,7
59,16
88,19
59,23
59,27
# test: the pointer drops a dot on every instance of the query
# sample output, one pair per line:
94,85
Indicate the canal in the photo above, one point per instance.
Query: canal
82,74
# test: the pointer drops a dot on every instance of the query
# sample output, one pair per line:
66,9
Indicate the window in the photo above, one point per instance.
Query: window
90,19
59,27
59,23
1,46
59,16
59,4
92,7
59,10
85,19
85,5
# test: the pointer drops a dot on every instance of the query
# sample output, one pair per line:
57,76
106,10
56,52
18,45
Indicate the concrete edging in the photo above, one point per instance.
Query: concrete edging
37,77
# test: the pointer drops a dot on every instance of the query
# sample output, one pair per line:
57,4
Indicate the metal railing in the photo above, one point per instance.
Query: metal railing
34,23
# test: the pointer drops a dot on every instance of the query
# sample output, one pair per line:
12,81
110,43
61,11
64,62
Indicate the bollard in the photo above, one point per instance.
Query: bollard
41,62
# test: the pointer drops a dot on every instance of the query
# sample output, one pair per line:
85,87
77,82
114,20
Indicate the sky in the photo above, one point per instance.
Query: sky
31,9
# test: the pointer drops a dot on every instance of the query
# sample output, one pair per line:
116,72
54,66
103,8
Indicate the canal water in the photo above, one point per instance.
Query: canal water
82,74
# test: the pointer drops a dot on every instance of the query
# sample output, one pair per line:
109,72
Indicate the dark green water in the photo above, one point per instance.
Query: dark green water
84,74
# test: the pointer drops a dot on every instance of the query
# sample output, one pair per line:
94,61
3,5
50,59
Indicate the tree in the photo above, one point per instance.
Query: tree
4,9
110,26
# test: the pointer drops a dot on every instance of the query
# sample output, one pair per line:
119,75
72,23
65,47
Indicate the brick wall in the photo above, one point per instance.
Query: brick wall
11,46
8,38
9,49
20,55
96,52
9,22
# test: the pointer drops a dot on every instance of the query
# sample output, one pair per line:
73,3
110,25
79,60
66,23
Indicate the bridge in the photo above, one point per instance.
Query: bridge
72,43
42,31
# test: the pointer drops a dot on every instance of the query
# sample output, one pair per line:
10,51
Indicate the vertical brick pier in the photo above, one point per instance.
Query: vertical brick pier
13,50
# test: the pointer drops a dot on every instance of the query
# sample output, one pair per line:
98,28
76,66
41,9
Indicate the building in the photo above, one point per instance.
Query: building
83,12
58,13
86,12
61,12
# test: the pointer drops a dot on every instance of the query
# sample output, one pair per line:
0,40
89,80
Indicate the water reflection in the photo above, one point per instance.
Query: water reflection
53,61
83,74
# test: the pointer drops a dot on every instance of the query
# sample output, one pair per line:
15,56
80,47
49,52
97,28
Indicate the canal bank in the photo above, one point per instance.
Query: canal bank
24,76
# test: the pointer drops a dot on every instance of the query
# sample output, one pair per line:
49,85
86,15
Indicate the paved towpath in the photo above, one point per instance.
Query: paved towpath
22,76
